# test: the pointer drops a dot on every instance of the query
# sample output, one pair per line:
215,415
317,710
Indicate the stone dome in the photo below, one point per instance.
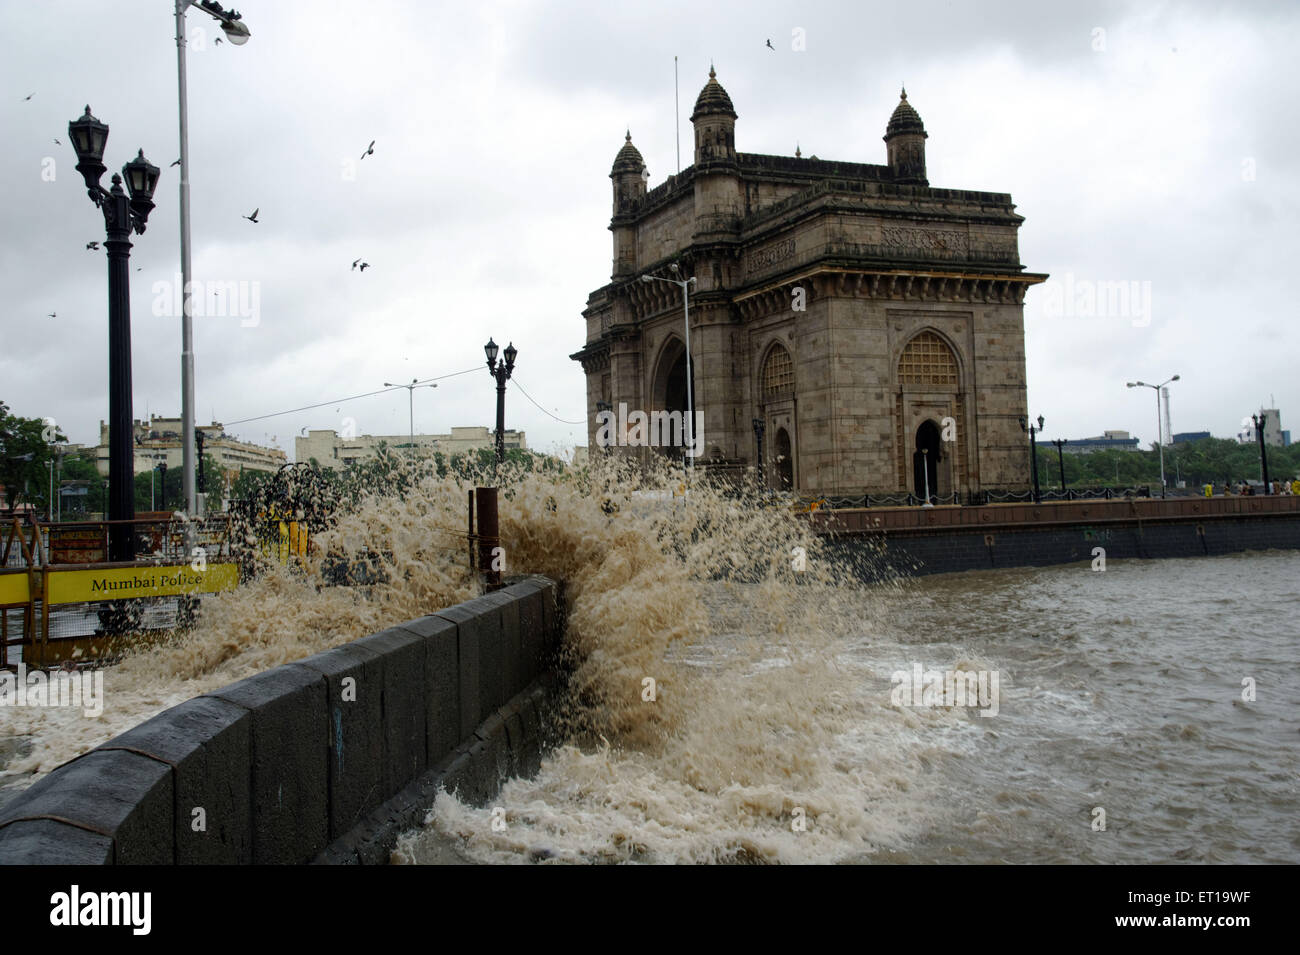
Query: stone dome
713,99
628,158
905,119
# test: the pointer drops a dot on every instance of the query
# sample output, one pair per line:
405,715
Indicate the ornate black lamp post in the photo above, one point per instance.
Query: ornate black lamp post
760,426
501,372
1033,452
122,216
1060,459
162,488
1259,421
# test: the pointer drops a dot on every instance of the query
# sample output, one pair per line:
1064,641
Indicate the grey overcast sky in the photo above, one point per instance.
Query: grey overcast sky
1148,143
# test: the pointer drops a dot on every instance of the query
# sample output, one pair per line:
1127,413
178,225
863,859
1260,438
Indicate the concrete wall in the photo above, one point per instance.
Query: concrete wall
324,759
917,551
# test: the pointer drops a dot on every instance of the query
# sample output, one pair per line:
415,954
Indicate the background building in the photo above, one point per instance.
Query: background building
853,308
331,451
1107,440
158,441
1274,436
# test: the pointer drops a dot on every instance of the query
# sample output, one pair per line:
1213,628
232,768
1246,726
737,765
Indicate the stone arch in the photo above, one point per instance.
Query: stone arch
775,391
931,396
928,359
776,374
668,385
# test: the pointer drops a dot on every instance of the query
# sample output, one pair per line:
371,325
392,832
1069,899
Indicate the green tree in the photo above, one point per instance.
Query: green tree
26,444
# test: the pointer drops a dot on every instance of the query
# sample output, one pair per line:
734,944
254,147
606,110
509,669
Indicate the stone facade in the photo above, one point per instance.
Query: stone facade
873,323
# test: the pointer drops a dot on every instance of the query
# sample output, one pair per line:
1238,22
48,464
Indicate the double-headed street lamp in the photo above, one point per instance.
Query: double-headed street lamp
232,25
410,391
122,216
1260,420
1159,428
688,431
1029,428
501,372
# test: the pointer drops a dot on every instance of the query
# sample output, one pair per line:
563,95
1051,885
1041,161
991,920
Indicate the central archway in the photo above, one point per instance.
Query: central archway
925,461
669,389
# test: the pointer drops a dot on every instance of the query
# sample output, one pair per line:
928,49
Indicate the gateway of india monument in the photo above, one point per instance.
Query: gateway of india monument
863,327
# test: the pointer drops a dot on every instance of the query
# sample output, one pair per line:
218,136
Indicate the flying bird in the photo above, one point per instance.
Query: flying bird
52,315
354,264
216,41
369,150
770,46
92,246
28,96
253,217
176,163
57,143
364,266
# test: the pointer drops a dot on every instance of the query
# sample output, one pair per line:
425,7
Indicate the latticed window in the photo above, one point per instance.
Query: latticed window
927,360
778,373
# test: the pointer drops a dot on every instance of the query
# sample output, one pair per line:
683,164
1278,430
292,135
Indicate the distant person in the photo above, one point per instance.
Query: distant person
1209,490
1295,486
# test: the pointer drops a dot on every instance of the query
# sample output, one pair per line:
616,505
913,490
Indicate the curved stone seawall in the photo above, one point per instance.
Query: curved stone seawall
917,541
326,759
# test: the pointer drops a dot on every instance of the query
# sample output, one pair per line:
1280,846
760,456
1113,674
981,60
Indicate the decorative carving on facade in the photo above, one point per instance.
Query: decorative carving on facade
938,240
770,255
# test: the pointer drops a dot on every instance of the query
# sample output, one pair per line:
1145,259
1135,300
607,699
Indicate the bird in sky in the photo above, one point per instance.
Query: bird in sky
176,163
364,266
92,246
369,150
28,96
217,41
253,217
354,264
52,315
770,46
57,143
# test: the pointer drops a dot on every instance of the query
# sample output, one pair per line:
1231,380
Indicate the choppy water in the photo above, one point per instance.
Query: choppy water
1120,690
773,736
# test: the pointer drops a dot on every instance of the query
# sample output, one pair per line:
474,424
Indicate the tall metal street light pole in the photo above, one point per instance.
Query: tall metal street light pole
122,215
232,25
501,372
689,430
1159,428
1029,428
410,390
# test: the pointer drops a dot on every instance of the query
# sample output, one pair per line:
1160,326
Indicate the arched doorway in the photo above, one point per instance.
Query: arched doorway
925,461
669,393
782,460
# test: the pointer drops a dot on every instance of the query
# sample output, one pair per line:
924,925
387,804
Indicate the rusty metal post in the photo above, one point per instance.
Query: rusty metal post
488,534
